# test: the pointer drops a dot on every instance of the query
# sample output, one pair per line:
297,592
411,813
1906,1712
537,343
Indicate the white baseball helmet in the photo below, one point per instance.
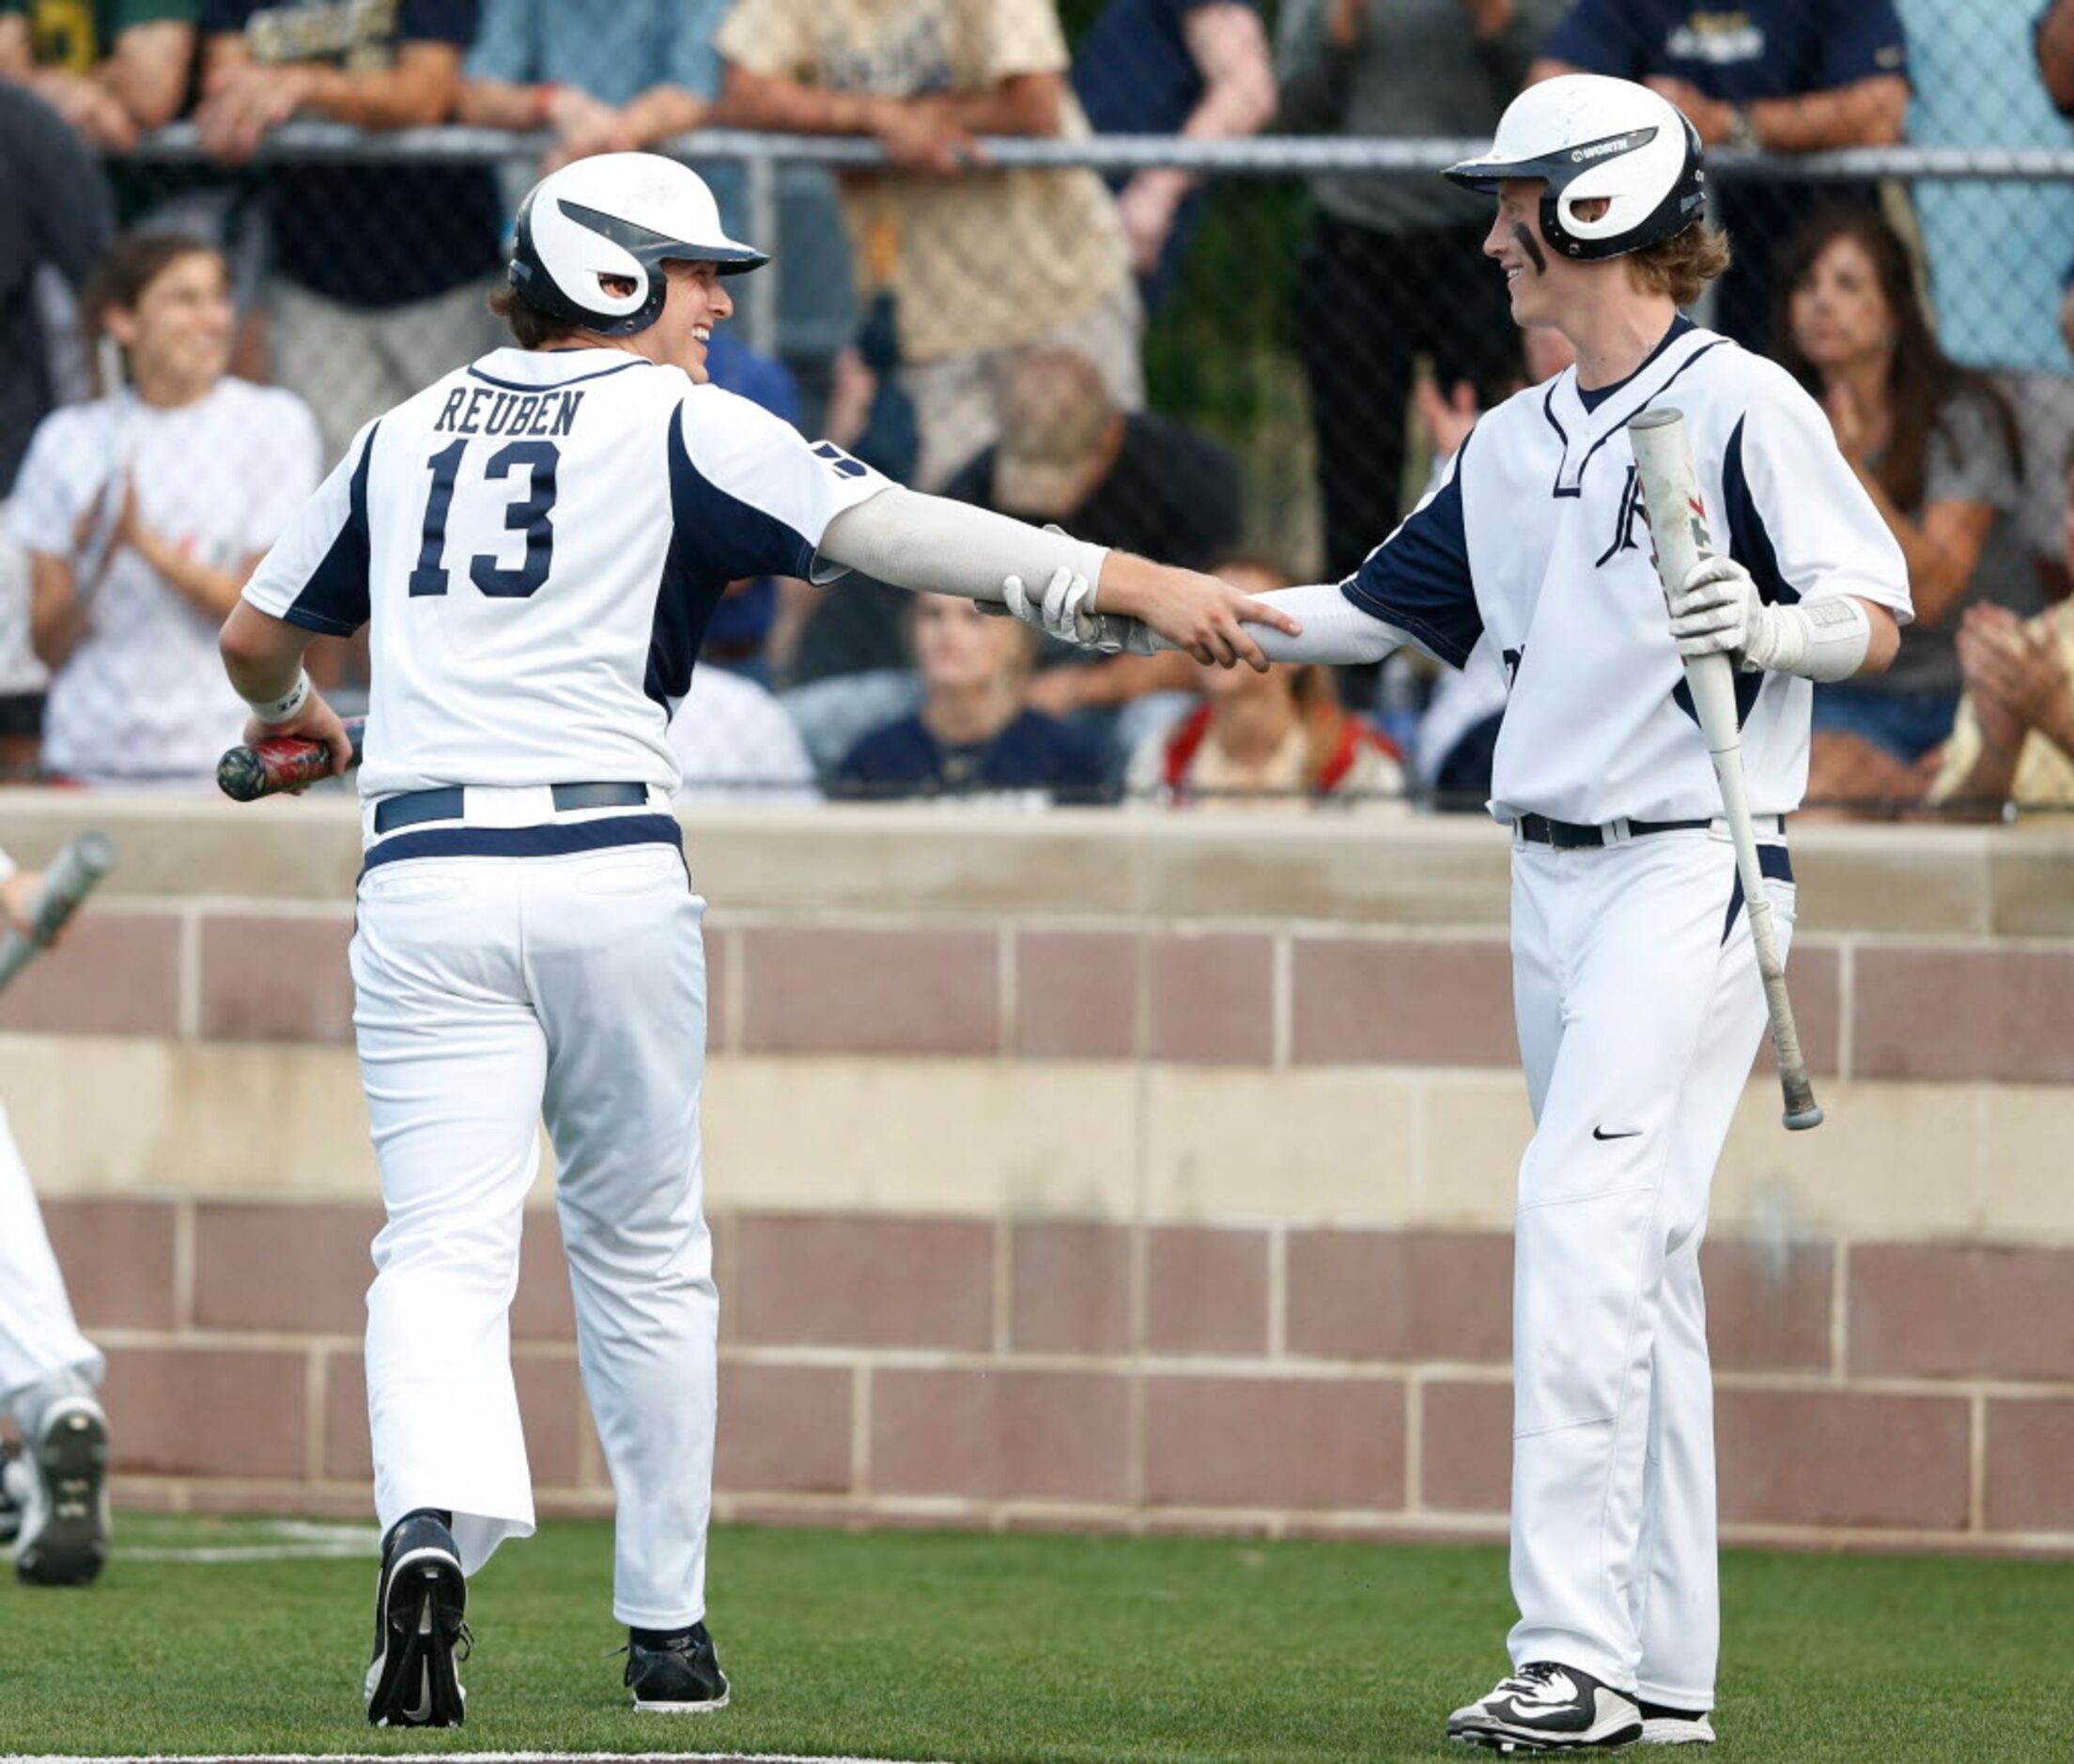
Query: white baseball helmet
618,215
1591,137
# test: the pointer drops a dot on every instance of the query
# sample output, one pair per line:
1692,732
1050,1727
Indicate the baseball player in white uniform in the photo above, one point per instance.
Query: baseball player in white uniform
1637,991
537,542
54,1493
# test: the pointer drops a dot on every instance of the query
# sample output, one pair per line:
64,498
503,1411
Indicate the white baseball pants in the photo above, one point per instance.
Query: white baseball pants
1639,1012
40,1346
490,990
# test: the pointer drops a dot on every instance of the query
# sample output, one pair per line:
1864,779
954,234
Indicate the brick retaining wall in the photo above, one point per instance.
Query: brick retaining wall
1186,1207
1253,1377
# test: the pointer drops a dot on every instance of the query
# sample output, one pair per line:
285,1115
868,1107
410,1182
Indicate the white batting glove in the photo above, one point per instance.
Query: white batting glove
1716,611
1066,613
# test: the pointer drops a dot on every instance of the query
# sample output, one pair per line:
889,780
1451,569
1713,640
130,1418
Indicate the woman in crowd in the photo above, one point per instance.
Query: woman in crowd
144,512
1936,445
1257,740
973,734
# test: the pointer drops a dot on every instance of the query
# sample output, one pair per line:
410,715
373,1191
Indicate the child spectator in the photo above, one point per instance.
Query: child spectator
972,735
1936,447
1258,740
144,512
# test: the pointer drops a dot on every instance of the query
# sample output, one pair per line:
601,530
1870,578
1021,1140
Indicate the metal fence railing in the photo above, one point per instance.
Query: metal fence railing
1220,441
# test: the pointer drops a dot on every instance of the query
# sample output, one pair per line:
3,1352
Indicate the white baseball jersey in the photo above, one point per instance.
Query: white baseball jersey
143,695
538,540
1537,538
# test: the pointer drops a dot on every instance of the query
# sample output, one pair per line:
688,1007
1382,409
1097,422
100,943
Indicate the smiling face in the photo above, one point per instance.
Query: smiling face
697,301
178,332
1838,311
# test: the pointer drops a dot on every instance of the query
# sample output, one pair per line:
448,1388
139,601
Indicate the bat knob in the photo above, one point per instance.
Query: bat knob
1800,1120
240,776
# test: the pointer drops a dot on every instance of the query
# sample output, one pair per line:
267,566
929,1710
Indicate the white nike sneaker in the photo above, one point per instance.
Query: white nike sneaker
1548,1708
1661,1725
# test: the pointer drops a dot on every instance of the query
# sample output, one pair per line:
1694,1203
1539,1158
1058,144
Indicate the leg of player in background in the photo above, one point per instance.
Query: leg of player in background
454,1060
55,1498
617,963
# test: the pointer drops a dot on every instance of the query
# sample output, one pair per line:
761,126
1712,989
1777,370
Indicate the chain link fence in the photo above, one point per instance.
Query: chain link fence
1053,262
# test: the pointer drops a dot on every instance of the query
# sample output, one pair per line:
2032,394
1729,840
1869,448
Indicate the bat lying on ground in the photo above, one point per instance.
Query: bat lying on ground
285,763
70,877
1678,524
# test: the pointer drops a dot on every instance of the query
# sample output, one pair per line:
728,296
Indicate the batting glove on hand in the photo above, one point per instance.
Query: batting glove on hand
1716,611
1065,612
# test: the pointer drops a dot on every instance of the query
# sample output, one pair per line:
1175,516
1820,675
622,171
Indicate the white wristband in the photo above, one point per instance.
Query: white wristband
1824,640
286,707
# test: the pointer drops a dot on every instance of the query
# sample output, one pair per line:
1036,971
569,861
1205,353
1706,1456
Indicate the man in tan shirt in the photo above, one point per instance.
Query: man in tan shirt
981,262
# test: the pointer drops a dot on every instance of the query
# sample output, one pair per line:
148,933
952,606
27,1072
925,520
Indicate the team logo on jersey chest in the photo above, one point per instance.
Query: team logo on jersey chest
1631,525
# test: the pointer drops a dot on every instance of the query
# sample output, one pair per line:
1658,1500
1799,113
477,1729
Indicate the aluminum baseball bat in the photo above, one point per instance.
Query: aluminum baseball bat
70,877
1677,525
265,768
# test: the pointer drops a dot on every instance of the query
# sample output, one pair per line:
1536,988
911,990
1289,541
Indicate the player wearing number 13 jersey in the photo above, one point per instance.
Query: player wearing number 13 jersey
537,542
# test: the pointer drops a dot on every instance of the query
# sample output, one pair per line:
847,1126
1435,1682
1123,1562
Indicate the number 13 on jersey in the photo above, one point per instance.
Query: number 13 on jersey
528,468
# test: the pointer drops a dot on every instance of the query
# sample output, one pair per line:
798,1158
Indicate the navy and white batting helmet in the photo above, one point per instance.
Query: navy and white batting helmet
1594,138
620,217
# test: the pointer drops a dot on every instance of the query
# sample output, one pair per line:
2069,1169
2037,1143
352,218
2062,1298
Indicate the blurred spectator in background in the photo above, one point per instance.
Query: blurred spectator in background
2054,48
54,223
1766,76
1395,266
142,513
606,76
379,269
1262,740
979,262
972,735
2013,745
1995,290
1198,69
1936,447
735,743
1135,481
112,69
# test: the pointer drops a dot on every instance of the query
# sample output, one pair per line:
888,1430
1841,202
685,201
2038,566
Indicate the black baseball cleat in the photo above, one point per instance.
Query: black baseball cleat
674,1672
61,1482
419,1602
11,1467
1547,1708
1663,1725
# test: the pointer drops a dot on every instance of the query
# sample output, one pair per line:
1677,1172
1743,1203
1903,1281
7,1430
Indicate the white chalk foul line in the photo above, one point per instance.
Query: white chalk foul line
447,1758
297,1540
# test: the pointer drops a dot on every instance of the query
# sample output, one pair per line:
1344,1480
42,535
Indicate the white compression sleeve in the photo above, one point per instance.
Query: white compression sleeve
937,546
1335,629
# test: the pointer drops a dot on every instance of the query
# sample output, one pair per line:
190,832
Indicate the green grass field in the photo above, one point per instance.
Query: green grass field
984,1650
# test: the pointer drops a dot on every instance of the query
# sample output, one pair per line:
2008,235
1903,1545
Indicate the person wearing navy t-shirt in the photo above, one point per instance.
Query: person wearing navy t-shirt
380,270
972,735
1193,68
1767,76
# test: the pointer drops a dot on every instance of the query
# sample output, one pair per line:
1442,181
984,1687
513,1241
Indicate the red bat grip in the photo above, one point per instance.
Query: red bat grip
285,763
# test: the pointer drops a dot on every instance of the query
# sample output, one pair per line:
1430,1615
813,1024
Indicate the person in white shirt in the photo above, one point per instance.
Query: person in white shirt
143,513
735,743
537,542
54,1492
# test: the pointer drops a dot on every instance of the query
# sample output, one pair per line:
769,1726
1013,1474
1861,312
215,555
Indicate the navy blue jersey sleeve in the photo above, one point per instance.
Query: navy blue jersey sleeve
1603,37
1862,38
1418,579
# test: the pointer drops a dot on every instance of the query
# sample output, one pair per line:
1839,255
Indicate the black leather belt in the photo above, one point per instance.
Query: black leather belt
451,803
1537,829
